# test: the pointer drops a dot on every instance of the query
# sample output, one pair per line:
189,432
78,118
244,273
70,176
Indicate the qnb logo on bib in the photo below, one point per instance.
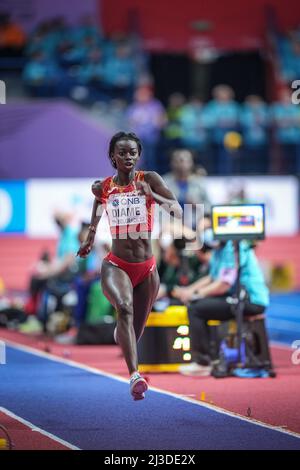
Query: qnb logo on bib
126,209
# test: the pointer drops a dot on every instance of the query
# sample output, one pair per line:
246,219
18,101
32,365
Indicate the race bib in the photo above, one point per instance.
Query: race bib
125,209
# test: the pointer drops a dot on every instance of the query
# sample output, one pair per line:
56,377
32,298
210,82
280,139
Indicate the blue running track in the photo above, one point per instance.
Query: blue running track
283,317
93,411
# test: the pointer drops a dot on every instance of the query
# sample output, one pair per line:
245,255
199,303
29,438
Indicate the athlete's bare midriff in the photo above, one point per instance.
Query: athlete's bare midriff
133,250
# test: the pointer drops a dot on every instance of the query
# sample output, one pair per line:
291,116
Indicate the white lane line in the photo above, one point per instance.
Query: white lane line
158,390
285,325
279,345
35,428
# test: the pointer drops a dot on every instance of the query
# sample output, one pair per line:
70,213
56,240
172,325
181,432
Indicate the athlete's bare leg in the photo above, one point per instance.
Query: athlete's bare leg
118,289
144,295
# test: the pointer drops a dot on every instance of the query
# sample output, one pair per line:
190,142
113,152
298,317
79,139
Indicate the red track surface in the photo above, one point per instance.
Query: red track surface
272,401
23,438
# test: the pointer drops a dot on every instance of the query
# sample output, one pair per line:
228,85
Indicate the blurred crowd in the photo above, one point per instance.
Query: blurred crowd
226,136
79,62
287,47
111,74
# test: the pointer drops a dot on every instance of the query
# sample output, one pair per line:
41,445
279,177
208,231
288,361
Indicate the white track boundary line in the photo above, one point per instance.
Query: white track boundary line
279,345
285,325
78,365
35,428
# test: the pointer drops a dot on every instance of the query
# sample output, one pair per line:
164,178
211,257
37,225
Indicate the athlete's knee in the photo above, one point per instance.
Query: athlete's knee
125,309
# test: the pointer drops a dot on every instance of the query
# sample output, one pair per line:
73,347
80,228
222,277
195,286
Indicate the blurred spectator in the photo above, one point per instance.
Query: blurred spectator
185,184
173,130
48,37
222,114
12,37
87,273
91,74
42,77
87,28
210,299
194,131
238,195
36,283
68,243
255,122
52,278
76,53
286,120
91,304
290,60
180,269
120,74
61,271
40,41
146,117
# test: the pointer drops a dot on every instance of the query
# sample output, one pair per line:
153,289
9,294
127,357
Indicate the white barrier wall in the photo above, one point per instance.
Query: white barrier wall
46,197
280,194
28,207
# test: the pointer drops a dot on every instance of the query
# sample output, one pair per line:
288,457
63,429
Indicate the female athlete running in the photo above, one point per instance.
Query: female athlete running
129,276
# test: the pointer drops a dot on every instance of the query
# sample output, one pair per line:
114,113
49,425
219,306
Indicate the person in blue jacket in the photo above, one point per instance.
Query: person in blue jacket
210,298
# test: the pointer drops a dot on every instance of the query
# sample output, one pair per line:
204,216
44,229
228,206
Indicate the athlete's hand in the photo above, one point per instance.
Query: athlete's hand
85,249
144,188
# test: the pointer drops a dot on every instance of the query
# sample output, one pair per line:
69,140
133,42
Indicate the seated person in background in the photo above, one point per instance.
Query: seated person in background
52,276
91,304
37,284
210,299
87,274
180,269
61,271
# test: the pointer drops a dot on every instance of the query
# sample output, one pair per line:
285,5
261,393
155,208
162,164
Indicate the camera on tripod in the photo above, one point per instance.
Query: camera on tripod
240,223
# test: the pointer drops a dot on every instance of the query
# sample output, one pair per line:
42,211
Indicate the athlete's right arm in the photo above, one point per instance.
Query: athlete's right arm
97,212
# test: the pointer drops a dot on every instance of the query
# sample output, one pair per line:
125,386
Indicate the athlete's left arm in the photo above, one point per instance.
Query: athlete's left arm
157,188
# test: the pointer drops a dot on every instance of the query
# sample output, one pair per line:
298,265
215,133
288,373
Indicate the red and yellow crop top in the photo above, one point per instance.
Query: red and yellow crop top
127,210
